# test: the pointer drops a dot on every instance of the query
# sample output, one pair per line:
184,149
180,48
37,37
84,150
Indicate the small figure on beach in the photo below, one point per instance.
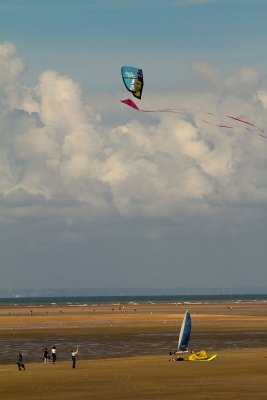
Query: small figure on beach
73,356
20,362
53,352
46,355
179,358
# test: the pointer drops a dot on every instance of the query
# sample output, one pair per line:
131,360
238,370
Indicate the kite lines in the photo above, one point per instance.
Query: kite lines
249,126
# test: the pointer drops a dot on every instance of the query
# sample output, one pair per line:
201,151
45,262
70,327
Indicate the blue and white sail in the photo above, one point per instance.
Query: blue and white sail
133,80
185,332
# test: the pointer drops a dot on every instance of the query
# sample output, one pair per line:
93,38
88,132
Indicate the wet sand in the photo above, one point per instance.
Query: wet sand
108,331
124,351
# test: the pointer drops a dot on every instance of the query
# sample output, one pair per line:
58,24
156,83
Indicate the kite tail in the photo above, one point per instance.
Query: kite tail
189,113
245,122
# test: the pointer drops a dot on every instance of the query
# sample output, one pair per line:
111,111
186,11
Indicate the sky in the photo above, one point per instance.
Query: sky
96,195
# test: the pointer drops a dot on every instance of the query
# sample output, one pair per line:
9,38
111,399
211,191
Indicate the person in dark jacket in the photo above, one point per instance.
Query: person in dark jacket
46,355
20,362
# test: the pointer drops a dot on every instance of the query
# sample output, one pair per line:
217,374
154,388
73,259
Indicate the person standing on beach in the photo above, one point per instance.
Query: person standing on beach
54,356
46,355
73,356
20,362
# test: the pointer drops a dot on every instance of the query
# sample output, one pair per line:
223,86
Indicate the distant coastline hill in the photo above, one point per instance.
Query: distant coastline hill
129,291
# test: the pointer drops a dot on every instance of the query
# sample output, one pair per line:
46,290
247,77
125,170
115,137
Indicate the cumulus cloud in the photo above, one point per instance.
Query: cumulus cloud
245,78
57,154
11,66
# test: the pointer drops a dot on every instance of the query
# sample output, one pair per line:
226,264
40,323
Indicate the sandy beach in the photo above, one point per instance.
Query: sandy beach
124,351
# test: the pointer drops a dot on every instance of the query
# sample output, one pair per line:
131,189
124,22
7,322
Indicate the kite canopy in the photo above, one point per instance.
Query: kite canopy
133,80
200,355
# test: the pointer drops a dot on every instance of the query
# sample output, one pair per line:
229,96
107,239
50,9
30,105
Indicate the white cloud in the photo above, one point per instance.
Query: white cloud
54,146
11,66
245,78
262,96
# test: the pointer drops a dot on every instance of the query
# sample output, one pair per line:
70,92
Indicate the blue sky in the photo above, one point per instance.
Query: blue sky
93,194
90,40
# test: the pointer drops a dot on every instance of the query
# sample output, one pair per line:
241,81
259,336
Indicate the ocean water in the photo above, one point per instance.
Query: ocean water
88,300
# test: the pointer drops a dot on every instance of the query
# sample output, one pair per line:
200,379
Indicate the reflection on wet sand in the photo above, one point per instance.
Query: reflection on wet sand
120,345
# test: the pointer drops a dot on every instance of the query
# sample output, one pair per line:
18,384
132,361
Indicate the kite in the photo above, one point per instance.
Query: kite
133,80
134,83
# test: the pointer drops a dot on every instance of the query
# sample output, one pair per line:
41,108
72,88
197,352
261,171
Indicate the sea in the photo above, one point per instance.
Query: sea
89,300
124,344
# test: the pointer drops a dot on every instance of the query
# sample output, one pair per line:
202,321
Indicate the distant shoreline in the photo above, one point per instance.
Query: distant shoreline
88,300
